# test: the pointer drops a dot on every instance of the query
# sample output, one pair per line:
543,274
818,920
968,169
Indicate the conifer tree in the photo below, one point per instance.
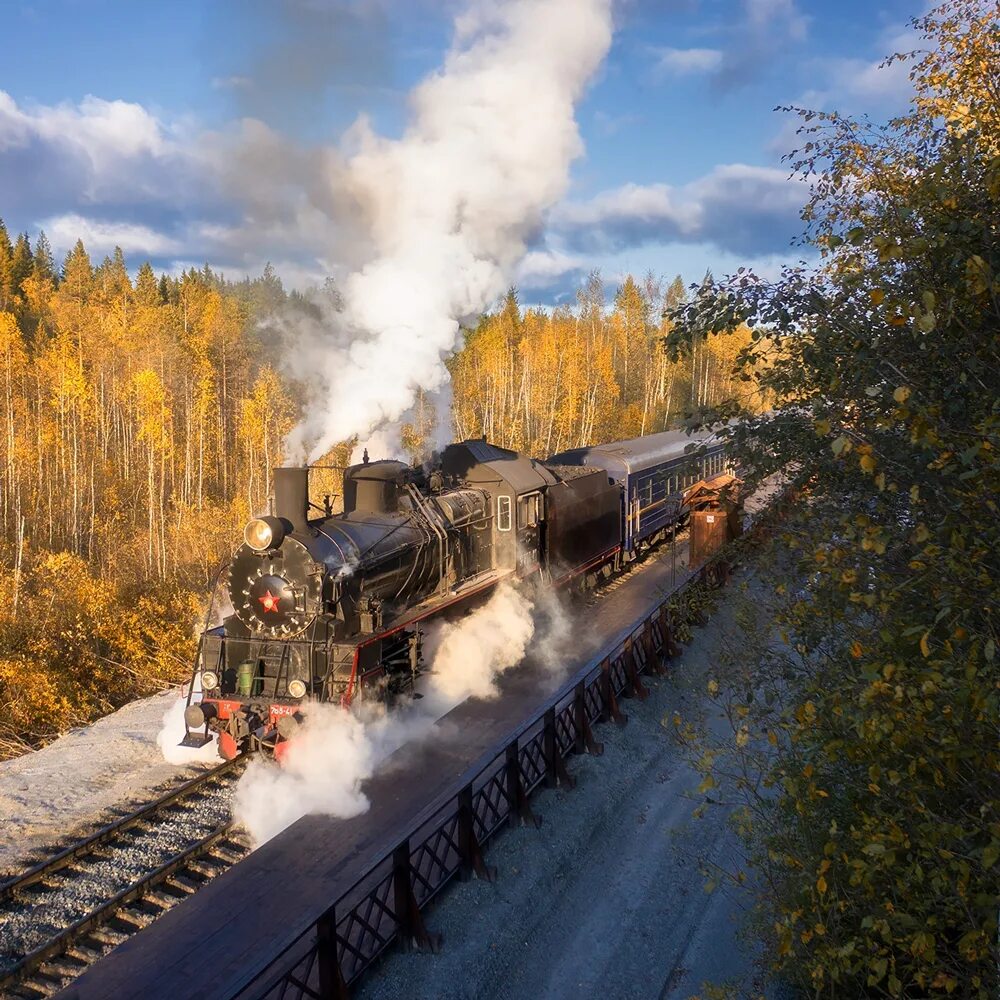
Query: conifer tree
43,266
21,263
77,273
146,291
675,294
6,269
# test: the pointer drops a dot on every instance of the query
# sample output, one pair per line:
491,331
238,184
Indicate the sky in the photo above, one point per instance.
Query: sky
193,132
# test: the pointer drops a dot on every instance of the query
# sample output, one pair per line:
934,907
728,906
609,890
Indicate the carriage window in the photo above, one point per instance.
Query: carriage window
503,513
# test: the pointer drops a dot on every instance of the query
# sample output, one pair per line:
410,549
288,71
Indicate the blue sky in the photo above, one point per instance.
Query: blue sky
107,111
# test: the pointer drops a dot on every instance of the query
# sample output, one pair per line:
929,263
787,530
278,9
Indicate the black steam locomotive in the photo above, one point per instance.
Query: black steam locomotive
330,608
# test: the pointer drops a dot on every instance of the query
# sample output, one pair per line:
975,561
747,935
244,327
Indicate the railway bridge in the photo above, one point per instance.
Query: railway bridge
309,911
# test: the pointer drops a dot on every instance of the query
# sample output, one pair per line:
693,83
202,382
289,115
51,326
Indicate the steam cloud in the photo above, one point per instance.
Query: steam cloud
467,657
447,209
336,751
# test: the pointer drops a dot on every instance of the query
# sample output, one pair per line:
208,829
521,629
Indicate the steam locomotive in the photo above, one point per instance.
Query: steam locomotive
331,607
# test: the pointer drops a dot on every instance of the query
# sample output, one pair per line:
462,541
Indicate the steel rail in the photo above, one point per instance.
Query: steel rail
59,944
109,832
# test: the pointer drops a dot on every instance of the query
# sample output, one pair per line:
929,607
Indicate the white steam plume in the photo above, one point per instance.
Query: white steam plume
448,208
336,751
468,656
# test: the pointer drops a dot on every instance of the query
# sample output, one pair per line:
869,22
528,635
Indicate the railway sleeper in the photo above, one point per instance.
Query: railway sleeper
65,967
206,866
131,920
162,898
29,893
184,885
99,854
84,953
44,983
231,855
27,991
189,803
145,908
106,937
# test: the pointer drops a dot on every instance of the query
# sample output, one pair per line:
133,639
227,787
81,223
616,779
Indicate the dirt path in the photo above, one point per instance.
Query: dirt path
605,899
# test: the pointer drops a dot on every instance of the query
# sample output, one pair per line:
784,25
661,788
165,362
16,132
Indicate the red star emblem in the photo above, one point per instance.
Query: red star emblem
269,601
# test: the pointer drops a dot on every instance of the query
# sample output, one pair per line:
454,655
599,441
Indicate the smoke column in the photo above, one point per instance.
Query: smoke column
448,207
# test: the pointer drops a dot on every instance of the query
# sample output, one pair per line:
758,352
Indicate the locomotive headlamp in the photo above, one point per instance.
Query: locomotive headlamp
264,533
209,680
296,689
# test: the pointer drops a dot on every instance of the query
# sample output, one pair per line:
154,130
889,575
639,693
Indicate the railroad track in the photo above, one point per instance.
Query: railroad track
63,914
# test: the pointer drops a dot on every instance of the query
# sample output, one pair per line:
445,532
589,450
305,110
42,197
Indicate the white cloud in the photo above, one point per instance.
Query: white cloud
781,15
102,237
545,268
751,41
855,86
682,62
739,208
96,150
870,82
96,127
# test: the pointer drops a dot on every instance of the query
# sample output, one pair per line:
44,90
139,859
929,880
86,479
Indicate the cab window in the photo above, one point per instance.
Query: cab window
503,513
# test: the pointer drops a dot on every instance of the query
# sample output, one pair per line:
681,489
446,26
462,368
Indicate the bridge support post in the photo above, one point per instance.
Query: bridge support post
609,708
634,687
520,809
468,843
653,643
331,979
671,648
584,734
555,766
411,929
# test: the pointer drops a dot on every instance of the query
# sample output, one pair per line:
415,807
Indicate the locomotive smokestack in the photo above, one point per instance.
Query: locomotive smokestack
291,496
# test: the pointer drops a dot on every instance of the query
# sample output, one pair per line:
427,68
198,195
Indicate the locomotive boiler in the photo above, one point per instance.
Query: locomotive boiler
330,607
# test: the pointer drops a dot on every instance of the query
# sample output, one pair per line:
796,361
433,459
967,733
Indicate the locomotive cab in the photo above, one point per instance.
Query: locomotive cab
516,486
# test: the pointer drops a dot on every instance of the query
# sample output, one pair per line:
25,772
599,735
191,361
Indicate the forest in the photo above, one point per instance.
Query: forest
142,415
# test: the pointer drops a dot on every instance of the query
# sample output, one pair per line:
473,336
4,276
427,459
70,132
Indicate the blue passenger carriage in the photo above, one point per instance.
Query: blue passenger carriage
653,473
